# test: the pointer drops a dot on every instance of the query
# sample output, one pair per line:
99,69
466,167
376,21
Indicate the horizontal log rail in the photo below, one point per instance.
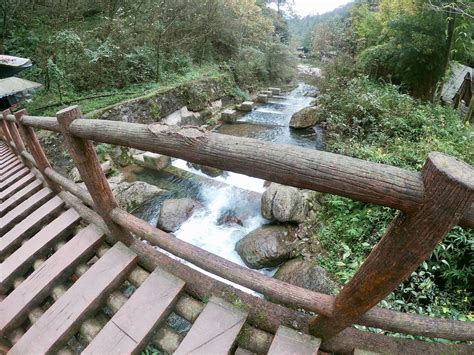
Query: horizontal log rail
358,179
278,290
303,168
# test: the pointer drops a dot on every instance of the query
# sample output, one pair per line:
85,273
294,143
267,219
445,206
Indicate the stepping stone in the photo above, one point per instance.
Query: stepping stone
275,91
229,116
262,98
246,106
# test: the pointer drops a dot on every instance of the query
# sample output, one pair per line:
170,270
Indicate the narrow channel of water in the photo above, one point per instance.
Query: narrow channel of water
230,193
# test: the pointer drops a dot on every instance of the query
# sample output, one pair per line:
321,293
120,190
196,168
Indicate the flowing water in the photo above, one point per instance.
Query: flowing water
229,193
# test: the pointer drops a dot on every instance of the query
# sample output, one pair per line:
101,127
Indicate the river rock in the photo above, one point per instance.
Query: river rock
307,275
131,195
307,117
284,204
208,170
106,168
266,246
152,161
228,218
174,212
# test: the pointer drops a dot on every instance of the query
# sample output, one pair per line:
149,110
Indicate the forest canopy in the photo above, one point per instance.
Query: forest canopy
79,45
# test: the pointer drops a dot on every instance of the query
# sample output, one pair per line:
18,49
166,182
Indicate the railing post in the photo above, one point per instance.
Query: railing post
6,132
36,150
12,128
409,240
85,159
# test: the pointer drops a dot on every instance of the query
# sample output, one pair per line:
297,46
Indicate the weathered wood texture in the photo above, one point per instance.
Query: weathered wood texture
317,170
131,326
288,341
410,239
10,170
84,296
85,159
9,159
20,261
37,286
13,133
215,330
70,186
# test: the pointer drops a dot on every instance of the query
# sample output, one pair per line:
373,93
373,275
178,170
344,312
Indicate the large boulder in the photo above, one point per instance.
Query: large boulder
267,246
284,204
305,118
307,275
174,212
131,195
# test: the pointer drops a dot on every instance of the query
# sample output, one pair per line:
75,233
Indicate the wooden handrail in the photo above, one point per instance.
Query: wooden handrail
321,171
310,169
376,317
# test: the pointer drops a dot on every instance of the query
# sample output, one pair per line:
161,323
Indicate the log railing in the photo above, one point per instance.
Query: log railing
430,202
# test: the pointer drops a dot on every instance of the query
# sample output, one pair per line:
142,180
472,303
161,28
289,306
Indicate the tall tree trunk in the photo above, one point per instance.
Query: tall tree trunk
449,47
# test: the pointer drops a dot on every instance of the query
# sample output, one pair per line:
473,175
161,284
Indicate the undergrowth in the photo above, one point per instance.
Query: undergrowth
374,121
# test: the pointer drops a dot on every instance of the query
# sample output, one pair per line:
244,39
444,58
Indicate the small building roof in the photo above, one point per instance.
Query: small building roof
14,85
14,61
455,80
10,65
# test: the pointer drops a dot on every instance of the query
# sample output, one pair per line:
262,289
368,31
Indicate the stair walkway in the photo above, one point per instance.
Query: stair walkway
64,289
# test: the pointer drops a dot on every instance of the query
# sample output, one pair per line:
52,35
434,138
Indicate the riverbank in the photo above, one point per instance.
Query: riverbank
376,122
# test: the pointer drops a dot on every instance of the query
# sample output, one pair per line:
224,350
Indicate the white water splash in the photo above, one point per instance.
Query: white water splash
238,180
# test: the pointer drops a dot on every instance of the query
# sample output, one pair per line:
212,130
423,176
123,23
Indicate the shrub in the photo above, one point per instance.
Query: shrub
374,121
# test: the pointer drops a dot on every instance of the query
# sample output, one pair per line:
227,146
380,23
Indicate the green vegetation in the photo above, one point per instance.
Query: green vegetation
376,122
383,62
98,53
46,102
